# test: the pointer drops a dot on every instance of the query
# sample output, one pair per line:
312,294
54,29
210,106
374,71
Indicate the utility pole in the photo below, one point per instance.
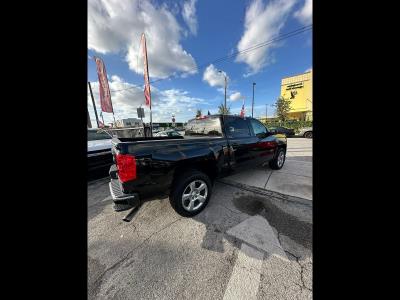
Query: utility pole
220,71
225,95
252,104
94,105
266,112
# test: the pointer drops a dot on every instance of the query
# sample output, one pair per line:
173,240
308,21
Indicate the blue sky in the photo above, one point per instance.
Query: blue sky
184,35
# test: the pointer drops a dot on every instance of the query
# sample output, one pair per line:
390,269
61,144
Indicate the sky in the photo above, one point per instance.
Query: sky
183,39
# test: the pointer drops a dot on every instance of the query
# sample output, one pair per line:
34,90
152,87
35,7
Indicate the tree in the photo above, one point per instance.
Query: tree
198,113
224,110
282,108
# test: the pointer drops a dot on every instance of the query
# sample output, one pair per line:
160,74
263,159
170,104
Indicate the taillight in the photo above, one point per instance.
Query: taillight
126,165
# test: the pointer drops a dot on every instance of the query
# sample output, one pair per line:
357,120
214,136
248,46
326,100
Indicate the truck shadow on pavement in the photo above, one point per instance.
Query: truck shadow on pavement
288,220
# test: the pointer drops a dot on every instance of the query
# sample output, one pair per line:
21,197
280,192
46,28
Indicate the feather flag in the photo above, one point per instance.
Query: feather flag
105,95
242,110
147,93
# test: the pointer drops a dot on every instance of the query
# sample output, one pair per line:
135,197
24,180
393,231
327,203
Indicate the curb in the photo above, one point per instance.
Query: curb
269,193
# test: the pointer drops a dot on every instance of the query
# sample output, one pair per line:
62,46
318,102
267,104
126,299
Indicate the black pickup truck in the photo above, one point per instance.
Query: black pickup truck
185,167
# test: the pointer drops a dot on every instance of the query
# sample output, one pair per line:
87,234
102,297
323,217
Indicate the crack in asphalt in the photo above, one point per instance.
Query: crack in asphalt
303,285
302,278
119,262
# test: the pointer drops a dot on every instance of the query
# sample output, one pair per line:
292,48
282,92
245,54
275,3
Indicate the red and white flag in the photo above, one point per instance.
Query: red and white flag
242,110
105,95
147,93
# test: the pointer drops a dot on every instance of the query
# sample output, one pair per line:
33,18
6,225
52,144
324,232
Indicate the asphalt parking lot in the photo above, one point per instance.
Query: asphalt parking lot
245,245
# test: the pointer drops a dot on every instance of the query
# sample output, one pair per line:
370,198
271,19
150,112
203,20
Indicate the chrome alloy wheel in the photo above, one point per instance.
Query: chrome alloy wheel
194,195
281,158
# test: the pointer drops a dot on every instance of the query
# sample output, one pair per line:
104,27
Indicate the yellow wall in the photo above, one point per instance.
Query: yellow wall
301,102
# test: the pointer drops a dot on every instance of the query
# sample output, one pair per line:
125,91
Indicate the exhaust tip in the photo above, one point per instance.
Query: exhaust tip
131,214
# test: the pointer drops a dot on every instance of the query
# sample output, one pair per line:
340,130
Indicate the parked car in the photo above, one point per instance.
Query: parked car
170,133
186,167
306,132
99,145
283,130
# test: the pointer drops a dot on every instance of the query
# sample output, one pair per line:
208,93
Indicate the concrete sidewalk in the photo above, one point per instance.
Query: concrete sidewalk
294,179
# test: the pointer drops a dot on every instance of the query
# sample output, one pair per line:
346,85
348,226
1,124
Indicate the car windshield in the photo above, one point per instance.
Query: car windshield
94,135
210,126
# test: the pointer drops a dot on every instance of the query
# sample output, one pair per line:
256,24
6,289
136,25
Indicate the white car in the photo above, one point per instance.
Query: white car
170,133
99,146
306,132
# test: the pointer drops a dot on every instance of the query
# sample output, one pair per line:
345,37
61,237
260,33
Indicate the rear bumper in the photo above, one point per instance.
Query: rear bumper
121,200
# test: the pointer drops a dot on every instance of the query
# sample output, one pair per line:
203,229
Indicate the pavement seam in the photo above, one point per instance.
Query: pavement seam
100,203
280,171
268,179
235,212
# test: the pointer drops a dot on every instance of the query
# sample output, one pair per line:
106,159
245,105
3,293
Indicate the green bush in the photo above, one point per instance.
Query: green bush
293,124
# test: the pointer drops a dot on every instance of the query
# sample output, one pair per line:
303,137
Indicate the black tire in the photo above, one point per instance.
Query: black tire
275,163
181,184
308,134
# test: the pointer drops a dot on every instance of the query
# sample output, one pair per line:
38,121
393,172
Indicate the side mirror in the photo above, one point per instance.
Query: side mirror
273,131
262,135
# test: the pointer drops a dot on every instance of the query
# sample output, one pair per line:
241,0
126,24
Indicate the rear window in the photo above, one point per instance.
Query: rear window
236,127
210,126
93,135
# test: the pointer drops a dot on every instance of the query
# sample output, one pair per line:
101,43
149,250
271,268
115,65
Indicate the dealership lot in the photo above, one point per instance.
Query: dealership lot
246,242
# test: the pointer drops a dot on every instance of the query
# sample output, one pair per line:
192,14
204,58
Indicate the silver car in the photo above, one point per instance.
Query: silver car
306,132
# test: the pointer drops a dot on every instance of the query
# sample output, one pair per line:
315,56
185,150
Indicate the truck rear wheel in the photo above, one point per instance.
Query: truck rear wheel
191,193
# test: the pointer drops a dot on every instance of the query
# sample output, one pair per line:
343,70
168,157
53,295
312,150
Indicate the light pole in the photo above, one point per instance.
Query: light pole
252,104
266,111
223,73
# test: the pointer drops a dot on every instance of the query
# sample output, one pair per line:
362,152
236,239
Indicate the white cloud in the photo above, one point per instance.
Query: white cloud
262,23
116,78
189,15
115,26
213,77
164,103
235,96
304,15
308,70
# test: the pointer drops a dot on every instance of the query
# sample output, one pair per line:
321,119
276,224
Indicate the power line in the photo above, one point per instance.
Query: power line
257,46
224,58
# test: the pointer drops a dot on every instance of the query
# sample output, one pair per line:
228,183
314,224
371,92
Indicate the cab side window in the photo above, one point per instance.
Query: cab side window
258,128
236,127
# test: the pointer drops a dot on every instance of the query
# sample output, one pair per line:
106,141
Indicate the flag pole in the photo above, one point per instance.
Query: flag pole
94,105
101,114
115,123
89,123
